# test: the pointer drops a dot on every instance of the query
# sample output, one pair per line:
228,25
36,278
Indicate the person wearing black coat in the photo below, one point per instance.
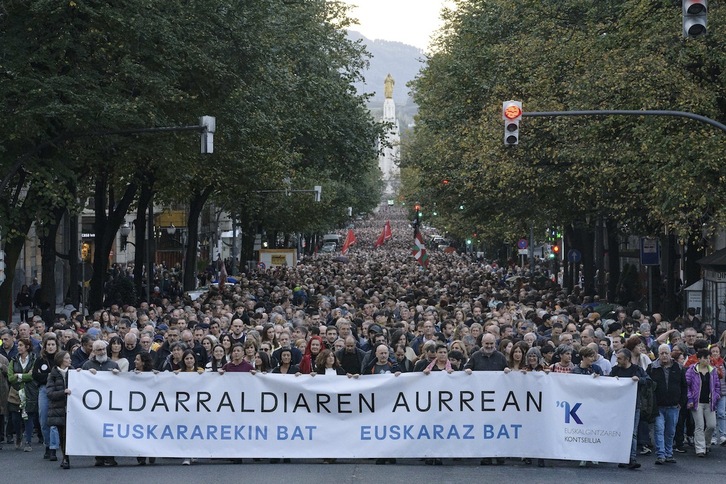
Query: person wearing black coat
57,390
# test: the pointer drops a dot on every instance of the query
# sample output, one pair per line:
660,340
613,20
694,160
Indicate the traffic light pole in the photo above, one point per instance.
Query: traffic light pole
622,112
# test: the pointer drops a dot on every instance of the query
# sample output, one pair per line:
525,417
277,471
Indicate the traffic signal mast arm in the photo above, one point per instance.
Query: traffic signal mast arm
621,112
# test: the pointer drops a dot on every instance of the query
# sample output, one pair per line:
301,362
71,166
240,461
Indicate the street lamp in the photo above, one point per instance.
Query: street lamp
125,231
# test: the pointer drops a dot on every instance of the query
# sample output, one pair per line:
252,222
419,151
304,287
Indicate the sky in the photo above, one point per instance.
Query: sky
408,21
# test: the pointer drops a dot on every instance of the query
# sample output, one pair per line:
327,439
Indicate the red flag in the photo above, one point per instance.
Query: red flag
419,250
385,235
349,240
381,239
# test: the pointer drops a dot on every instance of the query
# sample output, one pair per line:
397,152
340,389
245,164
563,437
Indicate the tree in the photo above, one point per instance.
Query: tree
632,173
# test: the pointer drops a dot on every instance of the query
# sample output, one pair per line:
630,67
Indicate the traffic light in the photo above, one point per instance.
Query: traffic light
694,17
512,114
555,250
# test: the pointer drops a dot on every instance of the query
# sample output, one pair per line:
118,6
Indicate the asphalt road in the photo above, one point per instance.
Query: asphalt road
29,467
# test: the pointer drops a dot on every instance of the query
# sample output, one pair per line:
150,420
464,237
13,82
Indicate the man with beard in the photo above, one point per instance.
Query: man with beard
487,359
351,357
99,361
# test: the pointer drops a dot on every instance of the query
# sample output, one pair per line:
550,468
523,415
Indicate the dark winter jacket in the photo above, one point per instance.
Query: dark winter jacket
674,392
57,398
25,381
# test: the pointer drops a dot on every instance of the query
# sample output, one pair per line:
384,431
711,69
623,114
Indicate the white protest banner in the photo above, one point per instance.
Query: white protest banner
485,414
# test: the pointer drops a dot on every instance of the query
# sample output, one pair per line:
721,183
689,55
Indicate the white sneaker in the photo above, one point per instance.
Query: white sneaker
186,462
722,440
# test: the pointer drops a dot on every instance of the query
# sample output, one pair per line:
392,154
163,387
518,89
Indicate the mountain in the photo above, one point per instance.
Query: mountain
403,62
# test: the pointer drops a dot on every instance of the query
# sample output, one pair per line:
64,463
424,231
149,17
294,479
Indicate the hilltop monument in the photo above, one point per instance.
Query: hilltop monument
388,159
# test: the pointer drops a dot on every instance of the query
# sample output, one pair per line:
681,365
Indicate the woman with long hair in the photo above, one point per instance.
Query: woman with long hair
44,364
23,397
189,363
327,364
58,391
208,343
517,356
114,349
218,358
226,341
268,335
262,362
312,350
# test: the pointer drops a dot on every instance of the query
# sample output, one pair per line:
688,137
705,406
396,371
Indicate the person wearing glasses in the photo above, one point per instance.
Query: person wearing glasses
100,361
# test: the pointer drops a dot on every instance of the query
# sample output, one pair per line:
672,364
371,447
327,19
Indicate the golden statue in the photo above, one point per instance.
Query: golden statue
388,87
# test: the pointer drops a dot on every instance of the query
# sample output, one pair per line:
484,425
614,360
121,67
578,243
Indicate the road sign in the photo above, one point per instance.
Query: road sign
649,252
261,265
523,252
574,256
522,244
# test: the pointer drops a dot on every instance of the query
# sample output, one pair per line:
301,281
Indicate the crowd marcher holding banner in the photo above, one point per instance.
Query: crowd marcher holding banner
312,350
41,370
57,391
218,358
327,364
704,391
100,361
144,363
670,396
286,367
238,362
114,350
189,363
487,358
173,361
441,361
23,396
263,363
626,369
250,347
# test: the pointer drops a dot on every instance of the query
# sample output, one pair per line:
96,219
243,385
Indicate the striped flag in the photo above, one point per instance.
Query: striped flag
419,250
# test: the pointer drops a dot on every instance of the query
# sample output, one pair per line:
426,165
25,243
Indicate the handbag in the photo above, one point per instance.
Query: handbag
14,396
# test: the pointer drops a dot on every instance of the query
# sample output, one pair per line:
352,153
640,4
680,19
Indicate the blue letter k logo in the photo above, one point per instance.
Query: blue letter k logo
572,412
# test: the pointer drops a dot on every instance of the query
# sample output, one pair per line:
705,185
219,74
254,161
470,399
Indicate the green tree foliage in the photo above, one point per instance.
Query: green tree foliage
276,74
645,173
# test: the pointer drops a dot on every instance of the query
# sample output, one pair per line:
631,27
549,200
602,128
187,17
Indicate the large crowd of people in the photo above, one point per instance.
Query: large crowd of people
375,311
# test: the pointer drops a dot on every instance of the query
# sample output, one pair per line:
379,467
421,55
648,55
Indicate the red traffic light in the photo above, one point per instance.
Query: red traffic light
445,181
556,249
417,207
512,110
